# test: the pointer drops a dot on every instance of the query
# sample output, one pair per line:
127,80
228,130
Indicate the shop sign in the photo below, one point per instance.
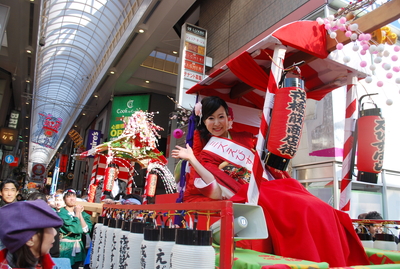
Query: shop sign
125,106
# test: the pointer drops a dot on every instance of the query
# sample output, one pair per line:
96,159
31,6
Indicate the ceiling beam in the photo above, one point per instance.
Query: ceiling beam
370,22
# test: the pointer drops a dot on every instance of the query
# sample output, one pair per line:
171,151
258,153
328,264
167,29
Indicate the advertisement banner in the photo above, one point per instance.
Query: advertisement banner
93,139
125,106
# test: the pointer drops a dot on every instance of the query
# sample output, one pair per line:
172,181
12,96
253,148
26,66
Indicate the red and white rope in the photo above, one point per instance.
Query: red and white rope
349,128
258,172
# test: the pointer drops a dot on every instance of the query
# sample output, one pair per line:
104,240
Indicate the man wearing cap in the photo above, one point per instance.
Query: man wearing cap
8,192
76,224
28,234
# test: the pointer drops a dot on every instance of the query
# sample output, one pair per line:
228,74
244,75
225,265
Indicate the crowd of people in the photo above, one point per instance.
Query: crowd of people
41,229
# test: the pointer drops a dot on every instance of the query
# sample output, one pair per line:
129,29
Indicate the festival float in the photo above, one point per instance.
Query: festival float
300,61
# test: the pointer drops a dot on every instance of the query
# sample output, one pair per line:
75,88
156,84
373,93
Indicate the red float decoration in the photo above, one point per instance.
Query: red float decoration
286,126
151,184
371,142
109,178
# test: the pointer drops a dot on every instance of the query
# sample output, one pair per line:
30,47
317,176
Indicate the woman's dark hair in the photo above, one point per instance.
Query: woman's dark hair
209,105
37,195
23,257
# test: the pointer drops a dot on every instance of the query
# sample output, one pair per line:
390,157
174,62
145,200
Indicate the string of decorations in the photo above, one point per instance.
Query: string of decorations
378,50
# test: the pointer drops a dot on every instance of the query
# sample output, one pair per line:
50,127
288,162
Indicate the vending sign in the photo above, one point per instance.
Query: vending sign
125,106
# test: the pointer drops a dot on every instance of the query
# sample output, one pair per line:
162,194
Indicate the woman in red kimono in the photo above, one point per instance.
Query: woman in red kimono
300,225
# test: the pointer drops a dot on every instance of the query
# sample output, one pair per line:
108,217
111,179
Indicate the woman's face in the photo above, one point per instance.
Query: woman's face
217,124
43,243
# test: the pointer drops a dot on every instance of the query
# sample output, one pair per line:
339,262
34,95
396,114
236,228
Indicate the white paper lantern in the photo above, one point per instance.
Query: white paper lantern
123,252
151,237
100,249
135,239
164,247
95,242
193,249
110,233
114,244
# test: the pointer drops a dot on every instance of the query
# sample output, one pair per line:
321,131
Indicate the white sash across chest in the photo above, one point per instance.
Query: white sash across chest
230,151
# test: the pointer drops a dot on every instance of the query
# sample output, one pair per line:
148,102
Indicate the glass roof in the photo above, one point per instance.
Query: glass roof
78,34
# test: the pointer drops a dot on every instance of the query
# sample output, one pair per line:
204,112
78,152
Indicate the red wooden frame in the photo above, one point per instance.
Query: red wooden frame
222,208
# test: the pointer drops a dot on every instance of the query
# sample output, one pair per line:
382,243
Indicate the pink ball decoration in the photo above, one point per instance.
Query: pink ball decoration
379,83
396,48
389,75
396,69
342,20
339,46
328,26
367,37
178,133
365,47
394,58
363,63
348,33
363,52
342,28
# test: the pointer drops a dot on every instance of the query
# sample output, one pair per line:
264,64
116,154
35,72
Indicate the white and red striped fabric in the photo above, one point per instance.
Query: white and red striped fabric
349,128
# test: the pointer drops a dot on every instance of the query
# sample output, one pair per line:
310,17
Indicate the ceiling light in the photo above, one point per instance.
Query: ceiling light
75,125
27,116
27,128
83,113
27,102
29,49
174,52
142,28
113,70
95,96
28,80
147,81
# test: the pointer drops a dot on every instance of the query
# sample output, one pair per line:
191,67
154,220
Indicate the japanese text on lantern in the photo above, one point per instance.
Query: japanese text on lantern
295,122
379,131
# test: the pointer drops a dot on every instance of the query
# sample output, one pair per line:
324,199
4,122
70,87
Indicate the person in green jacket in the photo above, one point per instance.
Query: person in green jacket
76,225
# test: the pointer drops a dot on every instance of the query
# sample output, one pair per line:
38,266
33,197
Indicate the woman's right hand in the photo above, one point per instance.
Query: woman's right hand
182,153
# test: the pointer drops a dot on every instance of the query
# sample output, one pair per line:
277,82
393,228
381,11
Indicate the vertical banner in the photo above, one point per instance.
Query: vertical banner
93,140
125,106
54,182
63,163
192,62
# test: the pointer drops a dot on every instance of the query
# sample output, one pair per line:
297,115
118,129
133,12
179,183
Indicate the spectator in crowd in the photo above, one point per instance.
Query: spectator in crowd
20,197
37,195
374,228
8,192
76,224
28,234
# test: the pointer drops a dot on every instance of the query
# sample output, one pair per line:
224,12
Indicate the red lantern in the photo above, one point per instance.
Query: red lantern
286,126
151,184
371,142
109,178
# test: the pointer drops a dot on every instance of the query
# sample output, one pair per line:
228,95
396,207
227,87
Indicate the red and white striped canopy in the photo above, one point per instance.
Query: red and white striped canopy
243,81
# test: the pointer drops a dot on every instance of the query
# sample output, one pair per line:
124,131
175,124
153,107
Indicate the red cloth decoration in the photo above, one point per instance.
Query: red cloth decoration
248,71
371,142
307,36
287,122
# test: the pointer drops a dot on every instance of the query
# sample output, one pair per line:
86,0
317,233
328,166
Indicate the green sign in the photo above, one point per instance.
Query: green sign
125,106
